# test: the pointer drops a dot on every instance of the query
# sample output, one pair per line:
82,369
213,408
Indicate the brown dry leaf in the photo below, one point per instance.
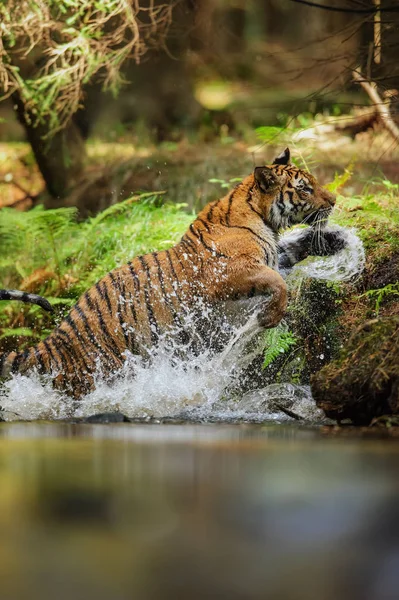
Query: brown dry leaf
36,280
67,281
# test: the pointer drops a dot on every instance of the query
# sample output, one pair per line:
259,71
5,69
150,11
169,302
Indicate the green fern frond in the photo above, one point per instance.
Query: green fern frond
277,342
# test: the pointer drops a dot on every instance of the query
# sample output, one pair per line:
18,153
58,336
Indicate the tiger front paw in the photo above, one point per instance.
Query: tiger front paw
269,319
271,314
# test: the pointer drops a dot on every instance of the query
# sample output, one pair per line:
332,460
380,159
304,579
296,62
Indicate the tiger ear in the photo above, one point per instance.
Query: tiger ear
265,178
283,158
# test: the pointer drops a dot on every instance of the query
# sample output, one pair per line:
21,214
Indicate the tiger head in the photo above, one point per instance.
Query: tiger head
287,195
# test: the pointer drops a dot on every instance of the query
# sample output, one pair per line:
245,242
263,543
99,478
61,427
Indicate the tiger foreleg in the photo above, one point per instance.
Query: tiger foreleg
267,282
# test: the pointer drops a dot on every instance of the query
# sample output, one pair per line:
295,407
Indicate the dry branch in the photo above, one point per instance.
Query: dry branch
380,105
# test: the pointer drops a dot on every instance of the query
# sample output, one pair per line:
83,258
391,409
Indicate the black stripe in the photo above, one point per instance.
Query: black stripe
175,277
118,284
212,250
168,301
186,241
57,345
204,223
39,359
151,317
178,259
112,278
103,293
136,279
16,363
52,355
122,319
108,339
79,339
231,198
132,298
91,337
198,240
280,201
2,360
261,239
210,211
70,354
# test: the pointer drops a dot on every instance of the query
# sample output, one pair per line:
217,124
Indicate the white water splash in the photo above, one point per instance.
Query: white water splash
342,266
196,387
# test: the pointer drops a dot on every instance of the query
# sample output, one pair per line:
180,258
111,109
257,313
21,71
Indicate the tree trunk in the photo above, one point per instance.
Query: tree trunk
60,157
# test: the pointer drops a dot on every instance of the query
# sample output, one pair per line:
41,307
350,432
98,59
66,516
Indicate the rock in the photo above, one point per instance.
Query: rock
363,383
107,417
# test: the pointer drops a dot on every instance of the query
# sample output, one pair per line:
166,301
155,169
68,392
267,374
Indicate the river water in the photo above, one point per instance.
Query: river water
122,511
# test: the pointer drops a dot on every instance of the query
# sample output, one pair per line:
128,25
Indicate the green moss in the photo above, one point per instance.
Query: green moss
364,382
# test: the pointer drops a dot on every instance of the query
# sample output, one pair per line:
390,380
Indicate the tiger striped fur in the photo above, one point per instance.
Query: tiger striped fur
230,251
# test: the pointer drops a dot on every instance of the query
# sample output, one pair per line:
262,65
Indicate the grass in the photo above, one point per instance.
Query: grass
50,253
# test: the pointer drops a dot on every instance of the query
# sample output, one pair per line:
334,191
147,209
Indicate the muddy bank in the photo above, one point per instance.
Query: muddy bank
363,383
360,384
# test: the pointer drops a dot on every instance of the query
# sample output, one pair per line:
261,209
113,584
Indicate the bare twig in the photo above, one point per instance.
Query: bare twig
382,106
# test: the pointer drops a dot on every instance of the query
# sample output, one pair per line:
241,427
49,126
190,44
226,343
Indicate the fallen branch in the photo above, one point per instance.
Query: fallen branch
358,123
380,105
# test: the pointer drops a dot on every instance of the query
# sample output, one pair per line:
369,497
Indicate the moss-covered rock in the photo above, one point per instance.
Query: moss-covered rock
363,383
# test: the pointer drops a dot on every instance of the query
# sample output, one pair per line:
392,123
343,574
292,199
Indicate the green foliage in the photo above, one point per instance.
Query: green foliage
226,183
277,341
18,331
73,41
379,295
392,188
67,257
270,134
340,179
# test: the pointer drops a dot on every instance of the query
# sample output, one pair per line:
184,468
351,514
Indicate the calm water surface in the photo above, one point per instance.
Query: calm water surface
196,511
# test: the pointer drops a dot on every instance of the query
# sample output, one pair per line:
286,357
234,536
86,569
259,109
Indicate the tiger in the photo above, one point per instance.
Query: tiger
229,252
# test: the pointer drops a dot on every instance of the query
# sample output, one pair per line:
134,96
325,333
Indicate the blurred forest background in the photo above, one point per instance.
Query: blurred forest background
117,96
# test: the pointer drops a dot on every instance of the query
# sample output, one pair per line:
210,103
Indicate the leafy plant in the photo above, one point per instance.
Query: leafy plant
340,179
277,341
392,188
226,184
83,39
379,295
50,253
269,134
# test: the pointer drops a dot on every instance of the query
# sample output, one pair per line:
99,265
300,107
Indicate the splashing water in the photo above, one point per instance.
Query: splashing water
197,386
342,266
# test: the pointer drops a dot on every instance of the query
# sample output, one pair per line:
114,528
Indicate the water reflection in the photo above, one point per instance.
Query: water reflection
190,511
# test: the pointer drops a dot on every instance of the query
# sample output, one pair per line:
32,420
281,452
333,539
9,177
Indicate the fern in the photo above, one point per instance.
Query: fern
31,238
379,295
51,254
277,342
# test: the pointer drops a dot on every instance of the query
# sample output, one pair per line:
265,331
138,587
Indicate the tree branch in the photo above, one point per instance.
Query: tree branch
381,106
368,11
